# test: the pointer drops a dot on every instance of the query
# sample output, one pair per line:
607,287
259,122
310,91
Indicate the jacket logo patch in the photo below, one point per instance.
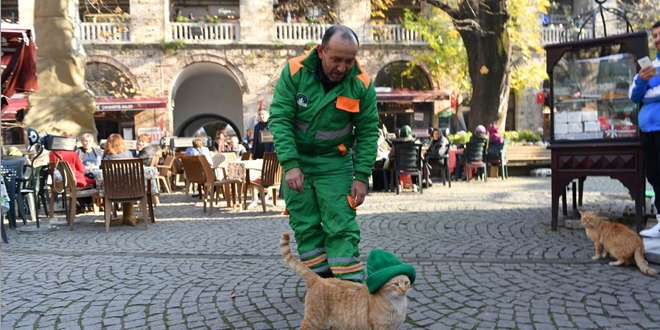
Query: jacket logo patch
301,99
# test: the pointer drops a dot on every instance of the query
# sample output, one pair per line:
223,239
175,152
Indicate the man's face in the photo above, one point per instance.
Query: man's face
338,57
263,116
656,37
436,135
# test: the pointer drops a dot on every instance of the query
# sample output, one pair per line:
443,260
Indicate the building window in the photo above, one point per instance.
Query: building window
105,80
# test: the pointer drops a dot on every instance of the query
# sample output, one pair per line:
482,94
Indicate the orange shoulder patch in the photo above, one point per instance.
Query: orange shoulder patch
295,64
364,76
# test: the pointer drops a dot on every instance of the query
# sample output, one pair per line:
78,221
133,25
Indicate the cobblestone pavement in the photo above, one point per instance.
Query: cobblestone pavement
484,252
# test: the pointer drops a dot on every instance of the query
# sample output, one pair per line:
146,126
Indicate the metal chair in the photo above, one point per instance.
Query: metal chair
498,158
442,165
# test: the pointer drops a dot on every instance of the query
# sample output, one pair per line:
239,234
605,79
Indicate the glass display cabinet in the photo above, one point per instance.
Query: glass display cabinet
594,129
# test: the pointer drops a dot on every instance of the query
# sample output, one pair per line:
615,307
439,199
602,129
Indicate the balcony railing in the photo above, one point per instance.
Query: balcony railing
95,33
395,34
300,32
206,32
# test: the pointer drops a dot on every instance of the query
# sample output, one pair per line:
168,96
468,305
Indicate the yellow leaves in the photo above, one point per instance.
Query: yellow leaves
484,70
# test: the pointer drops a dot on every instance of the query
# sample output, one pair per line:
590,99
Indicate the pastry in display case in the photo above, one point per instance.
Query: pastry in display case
589,92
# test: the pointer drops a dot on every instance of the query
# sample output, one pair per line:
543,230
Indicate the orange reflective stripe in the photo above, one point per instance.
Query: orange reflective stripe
347,269
295,64
348,104
315,261
364,76
342,149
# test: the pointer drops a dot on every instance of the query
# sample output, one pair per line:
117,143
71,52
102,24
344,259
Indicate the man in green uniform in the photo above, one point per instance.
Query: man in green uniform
324,104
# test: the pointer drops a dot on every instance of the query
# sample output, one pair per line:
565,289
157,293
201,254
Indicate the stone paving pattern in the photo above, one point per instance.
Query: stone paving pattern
484,252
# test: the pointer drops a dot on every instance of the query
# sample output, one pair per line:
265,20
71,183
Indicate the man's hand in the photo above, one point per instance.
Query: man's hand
358,192
294,179
648,72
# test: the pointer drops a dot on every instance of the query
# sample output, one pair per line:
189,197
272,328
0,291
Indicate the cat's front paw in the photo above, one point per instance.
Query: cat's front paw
596,257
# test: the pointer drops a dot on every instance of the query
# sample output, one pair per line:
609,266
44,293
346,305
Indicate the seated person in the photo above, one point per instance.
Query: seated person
198,148
235,146
145,151
495,142
71,157
437,148
89,155
115,148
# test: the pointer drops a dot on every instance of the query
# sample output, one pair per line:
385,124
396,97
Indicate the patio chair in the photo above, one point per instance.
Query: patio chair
198,170
271,178
407,161
498,158
165,174
475,157
18,189
73,192
441,164
124,182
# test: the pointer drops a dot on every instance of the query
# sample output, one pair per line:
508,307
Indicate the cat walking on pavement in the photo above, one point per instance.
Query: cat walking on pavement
617,240
332,303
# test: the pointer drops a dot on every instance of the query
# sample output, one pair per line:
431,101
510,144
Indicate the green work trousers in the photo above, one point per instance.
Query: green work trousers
322,219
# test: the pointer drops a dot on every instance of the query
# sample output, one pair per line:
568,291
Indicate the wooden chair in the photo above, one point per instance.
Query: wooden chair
271,178
198,170
246,156
124,183
220,161
154,161
73,192
165,174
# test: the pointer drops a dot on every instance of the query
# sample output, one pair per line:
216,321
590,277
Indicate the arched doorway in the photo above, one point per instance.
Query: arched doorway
208,125
207,97
405,98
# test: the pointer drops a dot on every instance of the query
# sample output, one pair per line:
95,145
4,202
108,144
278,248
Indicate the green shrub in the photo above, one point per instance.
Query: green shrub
459,138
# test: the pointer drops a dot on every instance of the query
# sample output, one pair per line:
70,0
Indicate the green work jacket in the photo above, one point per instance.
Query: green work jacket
307,121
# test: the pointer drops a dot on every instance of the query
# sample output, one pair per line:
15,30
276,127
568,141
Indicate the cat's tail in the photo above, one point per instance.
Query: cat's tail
301,269
641,263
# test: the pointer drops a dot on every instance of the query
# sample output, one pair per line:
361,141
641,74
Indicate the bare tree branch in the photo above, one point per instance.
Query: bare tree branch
452,12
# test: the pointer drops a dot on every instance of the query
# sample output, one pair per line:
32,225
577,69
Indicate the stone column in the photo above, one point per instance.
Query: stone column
257,21
149,21
62,104
26,12
355,14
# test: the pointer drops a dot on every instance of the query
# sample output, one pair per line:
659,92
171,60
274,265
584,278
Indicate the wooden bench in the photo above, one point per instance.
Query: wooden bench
527,155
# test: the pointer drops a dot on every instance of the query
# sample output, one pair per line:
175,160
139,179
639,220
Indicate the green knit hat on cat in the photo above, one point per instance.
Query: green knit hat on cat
383,266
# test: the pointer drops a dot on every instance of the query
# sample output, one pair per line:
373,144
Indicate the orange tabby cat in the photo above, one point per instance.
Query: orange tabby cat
618,240
336,304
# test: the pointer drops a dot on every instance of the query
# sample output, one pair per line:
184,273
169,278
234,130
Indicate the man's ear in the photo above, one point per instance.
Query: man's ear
319,49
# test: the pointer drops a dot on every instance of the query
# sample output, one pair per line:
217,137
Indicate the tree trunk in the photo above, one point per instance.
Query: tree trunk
488,48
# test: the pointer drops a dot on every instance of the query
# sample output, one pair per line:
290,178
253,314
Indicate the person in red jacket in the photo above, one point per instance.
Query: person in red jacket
76,165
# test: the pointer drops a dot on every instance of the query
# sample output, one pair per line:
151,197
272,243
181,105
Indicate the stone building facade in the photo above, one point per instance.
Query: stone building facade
204,80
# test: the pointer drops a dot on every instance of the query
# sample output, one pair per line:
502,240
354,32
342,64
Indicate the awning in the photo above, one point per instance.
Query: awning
130,104
14,106
409,96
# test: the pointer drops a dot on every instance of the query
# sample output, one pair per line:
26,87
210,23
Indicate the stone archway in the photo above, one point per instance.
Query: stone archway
207,90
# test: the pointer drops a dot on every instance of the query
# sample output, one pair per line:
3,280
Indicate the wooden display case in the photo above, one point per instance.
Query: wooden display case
594,129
